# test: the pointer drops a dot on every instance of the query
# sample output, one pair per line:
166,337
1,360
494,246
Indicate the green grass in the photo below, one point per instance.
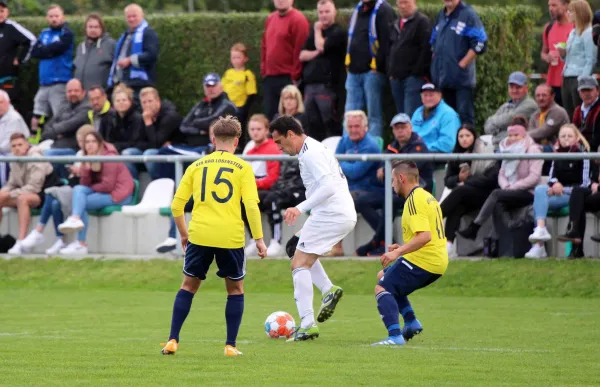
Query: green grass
487,323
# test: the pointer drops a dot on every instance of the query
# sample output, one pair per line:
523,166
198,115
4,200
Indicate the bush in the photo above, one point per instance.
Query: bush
193,45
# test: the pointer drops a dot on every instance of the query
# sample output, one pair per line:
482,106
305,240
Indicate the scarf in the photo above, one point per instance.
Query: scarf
511,166
373,41
137,47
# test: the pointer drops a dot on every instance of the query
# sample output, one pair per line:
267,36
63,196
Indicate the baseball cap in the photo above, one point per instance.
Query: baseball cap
517,78
586,82
210,79
429,87
400,118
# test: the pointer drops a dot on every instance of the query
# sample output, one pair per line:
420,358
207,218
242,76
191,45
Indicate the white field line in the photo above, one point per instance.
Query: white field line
466,349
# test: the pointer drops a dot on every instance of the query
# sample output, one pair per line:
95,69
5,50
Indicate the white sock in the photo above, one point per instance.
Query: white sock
449,246
303,294
319,277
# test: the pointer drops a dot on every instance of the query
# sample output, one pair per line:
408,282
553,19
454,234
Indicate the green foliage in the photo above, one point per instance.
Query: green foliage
195,44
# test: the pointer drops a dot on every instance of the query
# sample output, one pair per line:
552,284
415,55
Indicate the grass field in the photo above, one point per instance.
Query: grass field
486,323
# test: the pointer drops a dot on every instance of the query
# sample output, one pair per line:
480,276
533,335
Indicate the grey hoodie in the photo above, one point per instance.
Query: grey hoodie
93,60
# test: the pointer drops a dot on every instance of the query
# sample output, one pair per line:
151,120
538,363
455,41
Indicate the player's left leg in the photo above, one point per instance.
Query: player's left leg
303,294
234,310
388,308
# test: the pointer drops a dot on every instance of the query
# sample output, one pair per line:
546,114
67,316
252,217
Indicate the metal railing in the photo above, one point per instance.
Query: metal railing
387,159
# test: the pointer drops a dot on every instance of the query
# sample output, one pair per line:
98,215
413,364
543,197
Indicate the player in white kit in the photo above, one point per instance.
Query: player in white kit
332,217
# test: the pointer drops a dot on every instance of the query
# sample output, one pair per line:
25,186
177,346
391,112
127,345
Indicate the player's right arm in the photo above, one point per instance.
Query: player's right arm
250,200
182,196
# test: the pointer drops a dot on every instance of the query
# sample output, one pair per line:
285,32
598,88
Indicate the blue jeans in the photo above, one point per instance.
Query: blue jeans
461,100
52,208
542,202
60,169
150,167
407,94
367,86
86,199
368,205
167,170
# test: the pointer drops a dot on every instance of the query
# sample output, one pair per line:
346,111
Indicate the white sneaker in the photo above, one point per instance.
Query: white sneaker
34,238
536,252
72,224
540,234
168,245
56,247
250,250
451,250
17,248
74,248
274,249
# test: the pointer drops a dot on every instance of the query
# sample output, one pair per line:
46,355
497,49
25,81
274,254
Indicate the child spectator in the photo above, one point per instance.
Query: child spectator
564,176
291,104
239,82
57,202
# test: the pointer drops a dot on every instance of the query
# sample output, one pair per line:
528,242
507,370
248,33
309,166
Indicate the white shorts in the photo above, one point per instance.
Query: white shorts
318,236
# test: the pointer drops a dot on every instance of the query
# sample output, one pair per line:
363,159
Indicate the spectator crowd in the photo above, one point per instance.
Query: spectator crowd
100,98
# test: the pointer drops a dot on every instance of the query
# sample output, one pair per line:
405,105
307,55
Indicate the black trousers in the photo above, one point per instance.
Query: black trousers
14,93
272,86
272,203
320,102
508,198
458,203
581,201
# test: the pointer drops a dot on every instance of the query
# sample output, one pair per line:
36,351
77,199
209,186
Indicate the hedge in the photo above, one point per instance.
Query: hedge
193,45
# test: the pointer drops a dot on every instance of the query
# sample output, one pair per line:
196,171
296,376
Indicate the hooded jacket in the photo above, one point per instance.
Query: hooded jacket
27,177
439,130
113,178
55,49
93,60
10,123
62,127
529,172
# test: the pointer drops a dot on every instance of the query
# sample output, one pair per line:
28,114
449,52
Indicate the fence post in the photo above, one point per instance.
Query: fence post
388,208
178,177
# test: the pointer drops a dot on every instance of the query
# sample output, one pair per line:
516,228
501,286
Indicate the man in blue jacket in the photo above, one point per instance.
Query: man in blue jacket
54,48
136,53
405,141
361,175
435,122
457,38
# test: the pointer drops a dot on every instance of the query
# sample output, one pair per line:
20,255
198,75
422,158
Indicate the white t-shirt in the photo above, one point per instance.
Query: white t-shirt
317,163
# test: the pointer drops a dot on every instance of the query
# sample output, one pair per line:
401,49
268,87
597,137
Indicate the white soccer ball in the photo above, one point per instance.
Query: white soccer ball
279,324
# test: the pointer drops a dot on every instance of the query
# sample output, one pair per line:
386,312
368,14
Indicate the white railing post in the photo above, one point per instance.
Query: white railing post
389,206
178,177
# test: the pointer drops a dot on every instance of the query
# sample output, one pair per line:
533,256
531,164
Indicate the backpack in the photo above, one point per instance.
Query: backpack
547,30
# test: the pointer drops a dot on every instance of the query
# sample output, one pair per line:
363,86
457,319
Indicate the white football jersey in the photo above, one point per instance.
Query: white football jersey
316,162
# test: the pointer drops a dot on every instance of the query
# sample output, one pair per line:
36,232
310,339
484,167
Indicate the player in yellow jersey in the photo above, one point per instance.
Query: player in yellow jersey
219,183
420,261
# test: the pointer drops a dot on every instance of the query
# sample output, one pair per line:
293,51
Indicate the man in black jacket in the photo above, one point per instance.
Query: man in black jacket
323,57
16,42
366,59
195,136
160,125
409,57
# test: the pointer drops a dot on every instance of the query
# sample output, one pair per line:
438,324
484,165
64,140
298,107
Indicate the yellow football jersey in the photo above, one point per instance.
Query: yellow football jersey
239,85
219,182
422,213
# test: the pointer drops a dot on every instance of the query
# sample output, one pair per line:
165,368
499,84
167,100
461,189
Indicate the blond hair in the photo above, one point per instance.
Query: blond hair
260,118
294,92
582,15
578,134
84,131
149,90
121,88
226,128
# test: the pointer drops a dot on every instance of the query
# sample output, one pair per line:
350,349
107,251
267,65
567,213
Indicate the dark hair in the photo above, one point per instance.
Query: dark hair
16,136
96,17
284,124
97,87
98,138
520,120
406,166
457,147
547,86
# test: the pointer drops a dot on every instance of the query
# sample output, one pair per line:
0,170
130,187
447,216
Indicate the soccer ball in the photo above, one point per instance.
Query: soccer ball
279,324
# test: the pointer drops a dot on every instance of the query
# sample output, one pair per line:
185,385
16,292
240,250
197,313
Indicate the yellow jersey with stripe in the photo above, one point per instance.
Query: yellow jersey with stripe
422,213
219,183
239,84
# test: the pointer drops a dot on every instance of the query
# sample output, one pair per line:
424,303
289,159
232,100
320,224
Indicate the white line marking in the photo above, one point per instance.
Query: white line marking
466,349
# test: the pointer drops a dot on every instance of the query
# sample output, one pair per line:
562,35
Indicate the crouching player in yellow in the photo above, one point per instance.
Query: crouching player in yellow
219,183
418,263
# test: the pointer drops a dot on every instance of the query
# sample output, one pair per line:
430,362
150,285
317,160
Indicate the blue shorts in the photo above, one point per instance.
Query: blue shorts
231,262
403,277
